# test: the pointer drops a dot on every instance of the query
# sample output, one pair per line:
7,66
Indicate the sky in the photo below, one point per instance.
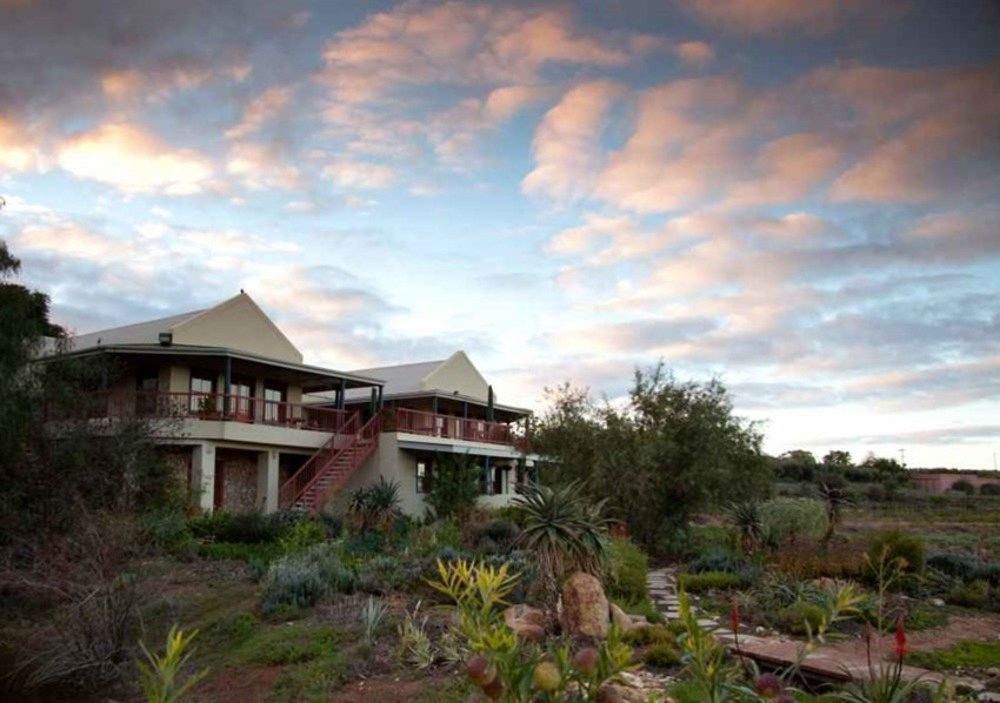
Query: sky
799,198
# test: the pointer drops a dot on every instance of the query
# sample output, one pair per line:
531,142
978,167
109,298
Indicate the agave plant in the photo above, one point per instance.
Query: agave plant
374,507
564,531
745,517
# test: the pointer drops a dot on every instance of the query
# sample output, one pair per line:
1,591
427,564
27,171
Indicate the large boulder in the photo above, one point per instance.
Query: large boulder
584,607
526,622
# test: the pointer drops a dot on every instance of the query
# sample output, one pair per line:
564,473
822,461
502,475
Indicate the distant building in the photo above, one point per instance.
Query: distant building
260,430
941,481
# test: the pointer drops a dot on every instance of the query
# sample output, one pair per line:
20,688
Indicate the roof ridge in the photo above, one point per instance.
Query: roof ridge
191,313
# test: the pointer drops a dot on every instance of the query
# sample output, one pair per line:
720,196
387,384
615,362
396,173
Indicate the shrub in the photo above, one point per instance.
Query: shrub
384,574
716,559
839,560
953,565
627,567
788,519
166,529
990,489
800,618
160,676
454,487
244,528
972,594
302,535
262,553
300,580
963,486
989,573
662,654
906,550
650,635
710,580
495,536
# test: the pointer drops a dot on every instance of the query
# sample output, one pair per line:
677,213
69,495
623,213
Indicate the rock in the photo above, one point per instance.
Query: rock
584,607
936,602
993,671
760,630
624,621
526,622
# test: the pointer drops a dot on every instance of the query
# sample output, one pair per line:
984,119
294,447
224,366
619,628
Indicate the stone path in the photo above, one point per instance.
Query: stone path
781,652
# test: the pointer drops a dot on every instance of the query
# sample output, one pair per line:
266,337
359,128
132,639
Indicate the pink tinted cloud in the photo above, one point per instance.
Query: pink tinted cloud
773,16
566,145
697,53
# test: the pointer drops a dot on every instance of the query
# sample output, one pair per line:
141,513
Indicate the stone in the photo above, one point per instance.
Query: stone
585,611
624,621
526,622
936,602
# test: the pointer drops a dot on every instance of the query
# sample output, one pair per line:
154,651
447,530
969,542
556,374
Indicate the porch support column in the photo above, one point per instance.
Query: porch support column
380,404
267,480
340,394
489,404
487,483
434,405
465,409
227,384
373,405
203,475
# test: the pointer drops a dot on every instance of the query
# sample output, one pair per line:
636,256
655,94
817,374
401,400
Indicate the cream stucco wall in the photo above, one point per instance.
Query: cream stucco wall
237,324
457,374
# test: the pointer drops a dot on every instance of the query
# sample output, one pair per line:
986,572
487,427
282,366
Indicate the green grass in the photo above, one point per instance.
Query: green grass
291,643
644,607
966,654
709,580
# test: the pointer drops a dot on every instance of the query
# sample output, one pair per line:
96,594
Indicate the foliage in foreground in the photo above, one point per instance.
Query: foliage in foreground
160,676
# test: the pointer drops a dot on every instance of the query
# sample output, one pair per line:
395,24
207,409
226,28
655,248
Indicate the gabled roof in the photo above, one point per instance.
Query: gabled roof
403,378
236,323
139,333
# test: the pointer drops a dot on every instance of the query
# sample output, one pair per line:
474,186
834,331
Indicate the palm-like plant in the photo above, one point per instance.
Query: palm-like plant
745,517
564,531
833,492
375,507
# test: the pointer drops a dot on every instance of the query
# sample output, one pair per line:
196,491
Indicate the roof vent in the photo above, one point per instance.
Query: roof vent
166,339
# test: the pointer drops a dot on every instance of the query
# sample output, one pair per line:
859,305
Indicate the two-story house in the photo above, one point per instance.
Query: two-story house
254,428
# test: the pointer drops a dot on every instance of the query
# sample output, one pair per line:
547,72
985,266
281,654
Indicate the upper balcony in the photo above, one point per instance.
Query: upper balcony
207,406
443,426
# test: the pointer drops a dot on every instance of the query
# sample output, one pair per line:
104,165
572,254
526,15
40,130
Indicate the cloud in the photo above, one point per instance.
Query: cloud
773,16
463,44
786,169
134,161
261,166
18,150
566,149
260,110
359,174
696,53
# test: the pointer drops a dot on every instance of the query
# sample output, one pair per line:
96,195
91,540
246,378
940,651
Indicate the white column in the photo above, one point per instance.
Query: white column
267,480
203,473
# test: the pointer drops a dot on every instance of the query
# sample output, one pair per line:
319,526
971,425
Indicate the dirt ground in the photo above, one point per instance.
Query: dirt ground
983,627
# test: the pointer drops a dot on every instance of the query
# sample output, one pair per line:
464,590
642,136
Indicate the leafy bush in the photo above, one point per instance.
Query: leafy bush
262,553
385,573
717,559
650,635
495,536
166,529
663,654
963,486
454,486
953,565
900,548
788,519
627,567
302,535
990,489
972,594
839,560
244,528
300,580
800,618
710,580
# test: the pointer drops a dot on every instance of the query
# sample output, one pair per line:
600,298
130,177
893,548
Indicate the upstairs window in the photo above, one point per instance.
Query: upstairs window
202,388
274,408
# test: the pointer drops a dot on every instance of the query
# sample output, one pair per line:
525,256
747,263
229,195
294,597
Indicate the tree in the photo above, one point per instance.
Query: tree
670,449
51,473
838,459
455,485
795,465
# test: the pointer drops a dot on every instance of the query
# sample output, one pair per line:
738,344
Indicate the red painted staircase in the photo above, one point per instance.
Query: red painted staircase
332,465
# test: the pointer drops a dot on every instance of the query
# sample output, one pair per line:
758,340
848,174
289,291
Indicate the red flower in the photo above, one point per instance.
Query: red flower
734,615
901,647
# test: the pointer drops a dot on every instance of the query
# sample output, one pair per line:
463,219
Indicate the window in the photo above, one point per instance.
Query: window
146,392
497,487
274,409
202,388
423,476
242,400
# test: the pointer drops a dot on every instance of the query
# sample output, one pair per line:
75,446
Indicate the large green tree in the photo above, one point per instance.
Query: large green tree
670,449
50,472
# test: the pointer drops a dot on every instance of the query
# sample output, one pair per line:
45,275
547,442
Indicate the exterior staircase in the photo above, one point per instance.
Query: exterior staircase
329,469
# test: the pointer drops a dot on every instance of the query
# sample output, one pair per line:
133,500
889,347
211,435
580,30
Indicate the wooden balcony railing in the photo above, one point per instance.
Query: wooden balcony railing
205,406
448,426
